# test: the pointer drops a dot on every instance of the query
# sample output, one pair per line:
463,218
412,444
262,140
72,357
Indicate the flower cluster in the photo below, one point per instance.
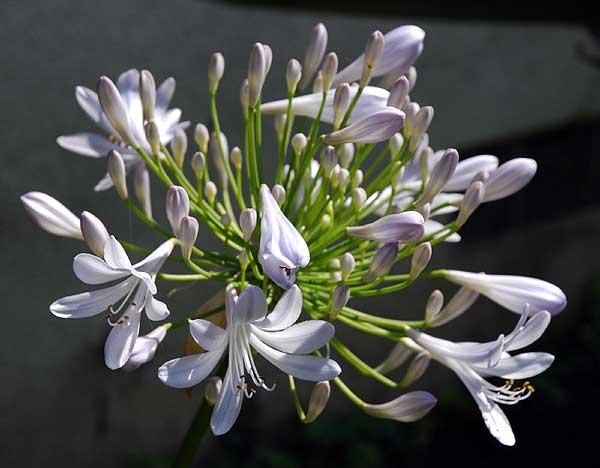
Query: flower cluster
358,192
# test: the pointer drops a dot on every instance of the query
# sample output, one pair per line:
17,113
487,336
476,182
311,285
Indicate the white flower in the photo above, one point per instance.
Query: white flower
371,128
282,249
51,215
135,291
96,145
406,408
474,361
145,348
513,292
273,336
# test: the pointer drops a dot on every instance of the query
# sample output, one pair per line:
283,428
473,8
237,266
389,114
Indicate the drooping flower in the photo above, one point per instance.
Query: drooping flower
472,362
51,215
135,292
513,292
409,407
274,336
97,145
282,249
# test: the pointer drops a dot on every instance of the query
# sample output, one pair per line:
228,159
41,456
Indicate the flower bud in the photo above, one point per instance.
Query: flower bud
343,178
248,222
339,299
396,143
318,400
177,206
201,136
179,146
425,210
214,153
293,75
398,92
51,215
188,233
116,170
481,176
420,124
94,233
256,73
216,68
398,355
318,83
245,96
334,176
325,222
359,197
420,259
425,163
115,109
346,154
145,348
278,194
460,303
357,179
210,192
198,162
329,69
411,75
141,188
372,128
407,408
434,305
401,227
329,161
416,368
236,158
212,389
153,136
299,143
314,54
373,52
509,178
243,259
147,94
440,174
226,220
336,276
341,102
384,259
472,199
279,124
398,175
268,58
347,265
410,110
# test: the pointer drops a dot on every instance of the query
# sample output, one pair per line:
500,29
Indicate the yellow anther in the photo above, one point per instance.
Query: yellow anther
530,388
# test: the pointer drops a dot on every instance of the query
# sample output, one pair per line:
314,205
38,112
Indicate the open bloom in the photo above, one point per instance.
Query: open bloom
135,292
273,336
97,145
472,362
282,249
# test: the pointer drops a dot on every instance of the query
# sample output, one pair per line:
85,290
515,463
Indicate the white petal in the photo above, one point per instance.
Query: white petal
250,306
155,310
509,178
121,339
154,261
311,368
531,332
409,407
88,101
498,425
164,93
208,335
467,169
227,408
301,338
188,371
90,303
146,279
145,348
372,128
521,366
87,144
286,312
93,270
115,254
51,215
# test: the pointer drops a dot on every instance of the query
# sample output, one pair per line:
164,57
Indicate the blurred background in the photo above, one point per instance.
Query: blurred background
505,81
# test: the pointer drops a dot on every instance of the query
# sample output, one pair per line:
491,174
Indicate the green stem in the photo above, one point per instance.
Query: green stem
194,436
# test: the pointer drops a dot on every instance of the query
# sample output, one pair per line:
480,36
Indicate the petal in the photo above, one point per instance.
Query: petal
301,338
227,408
250,306
187,371
87,144
432,226
401,227
521,366
498,425
311,368
531,332
121,339
115,254
51,215
88,101
286,312
164,93
409,407
90,303
372,128
155,310
154,262
146,279
93,270
467,169
208,335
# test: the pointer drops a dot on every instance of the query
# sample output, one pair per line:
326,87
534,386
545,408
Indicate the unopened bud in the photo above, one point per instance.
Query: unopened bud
472,199
397,175
434,305
329,69
341,102
268,58
299,143
256,73
279,124
278,194
236,158
325,222
179,146
346,154
343,178
347,265
216,68
177,207
460,302
201,136
245,96
210,192
384,259
481,176
314,54
425,211
373,52
293,75
243,259
318,400
410,110
188,233
440,174
318,83
420,124
334,176
116,170
141,188
339,299
115,109
398,356
396,143
425,163
198,162
214,153
411,75
212,389
94,233
398,92
336,276
226,220
147,94
247,222
403,227
416,368
407,408
153,136
329,161
359,197
509,178
420,259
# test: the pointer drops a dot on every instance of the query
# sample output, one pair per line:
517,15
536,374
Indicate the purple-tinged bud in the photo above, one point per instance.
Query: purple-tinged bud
440,174
248,222
188,233
411,74
384,259
401,227
299,142
226,220
469,168
398,356
398,92
410,110
212,389
278,194
416,368
329,69
198,163
426,162
509,178
153,136
373,53
339,299
201,136
419,126
177,207
179,146
141,188
481,176
236,158
329,161
359,197
147,94
347,265
51,215
216,69
214,153
293,75
94,233
318,401
472,199
341,102
420,259
407,408
372,128
116,170
115,109
210,192
346,154
434,305
314,54
256,73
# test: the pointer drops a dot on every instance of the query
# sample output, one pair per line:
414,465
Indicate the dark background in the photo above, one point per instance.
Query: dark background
503,80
